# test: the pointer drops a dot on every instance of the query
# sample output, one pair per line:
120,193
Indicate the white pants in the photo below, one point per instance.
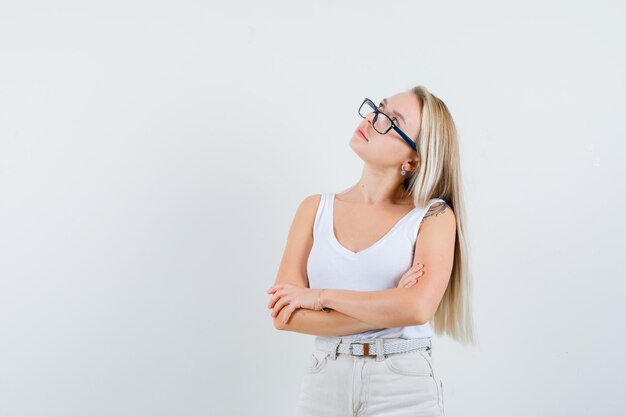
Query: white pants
342,385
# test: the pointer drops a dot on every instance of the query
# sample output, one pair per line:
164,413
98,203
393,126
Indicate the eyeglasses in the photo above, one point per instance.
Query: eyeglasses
383,123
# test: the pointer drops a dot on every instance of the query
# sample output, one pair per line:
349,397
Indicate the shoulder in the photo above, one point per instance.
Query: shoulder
311,200
439,208
305,213
309,204
437,232
441,215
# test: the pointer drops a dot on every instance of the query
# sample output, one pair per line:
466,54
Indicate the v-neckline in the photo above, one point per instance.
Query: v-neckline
372,246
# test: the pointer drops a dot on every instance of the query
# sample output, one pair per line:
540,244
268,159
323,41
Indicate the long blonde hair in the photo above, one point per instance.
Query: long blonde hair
439,176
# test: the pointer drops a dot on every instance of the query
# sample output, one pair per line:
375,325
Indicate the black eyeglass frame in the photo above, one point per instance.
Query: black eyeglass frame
393,126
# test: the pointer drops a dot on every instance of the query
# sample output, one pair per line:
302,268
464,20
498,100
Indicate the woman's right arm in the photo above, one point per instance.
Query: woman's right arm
293,269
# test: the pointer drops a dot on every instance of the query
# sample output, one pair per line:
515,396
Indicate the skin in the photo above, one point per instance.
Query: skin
363,215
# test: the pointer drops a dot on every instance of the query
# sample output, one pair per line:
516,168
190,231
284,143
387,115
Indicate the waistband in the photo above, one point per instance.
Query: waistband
379,347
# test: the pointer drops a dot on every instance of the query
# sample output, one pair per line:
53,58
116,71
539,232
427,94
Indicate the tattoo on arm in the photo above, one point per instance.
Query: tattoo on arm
435,210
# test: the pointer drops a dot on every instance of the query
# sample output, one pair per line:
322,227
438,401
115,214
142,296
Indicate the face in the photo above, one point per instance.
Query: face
389,149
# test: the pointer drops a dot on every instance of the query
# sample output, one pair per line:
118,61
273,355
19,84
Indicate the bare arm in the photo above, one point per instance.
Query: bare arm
381,309
435,246
320,323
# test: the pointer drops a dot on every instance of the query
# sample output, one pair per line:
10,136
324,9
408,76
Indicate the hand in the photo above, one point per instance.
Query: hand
410,277
291,297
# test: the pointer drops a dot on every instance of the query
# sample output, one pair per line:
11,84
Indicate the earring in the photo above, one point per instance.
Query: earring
403,172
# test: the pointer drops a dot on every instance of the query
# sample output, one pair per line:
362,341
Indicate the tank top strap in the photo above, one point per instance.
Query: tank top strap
320,215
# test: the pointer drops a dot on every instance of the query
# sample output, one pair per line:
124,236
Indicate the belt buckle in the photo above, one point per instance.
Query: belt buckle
366,346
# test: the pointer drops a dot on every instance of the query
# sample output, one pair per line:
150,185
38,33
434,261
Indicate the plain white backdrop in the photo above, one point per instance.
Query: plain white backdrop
152,156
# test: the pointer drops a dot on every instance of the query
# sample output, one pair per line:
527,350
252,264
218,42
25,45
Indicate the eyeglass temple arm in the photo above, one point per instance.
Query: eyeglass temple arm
406,138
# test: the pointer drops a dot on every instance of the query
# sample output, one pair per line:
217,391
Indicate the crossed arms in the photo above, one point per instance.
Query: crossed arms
360,311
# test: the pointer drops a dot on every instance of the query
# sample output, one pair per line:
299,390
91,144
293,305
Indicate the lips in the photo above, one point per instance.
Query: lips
362,134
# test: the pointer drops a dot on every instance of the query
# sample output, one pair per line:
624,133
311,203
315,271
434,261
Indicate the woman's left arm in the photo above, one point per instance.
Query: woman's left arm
397,307
381,309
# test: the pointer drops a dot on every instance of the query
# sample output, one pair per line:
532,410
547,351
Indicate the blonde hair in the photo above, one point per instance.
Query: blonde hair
439,176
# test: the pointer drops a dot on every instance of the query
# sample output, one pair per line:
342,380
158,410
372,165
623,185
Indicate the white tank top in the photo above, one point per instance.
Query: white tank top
378,267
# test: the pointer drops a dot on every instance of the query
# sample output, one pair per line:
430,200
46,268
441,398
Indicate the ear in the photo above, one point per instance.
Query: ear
413,164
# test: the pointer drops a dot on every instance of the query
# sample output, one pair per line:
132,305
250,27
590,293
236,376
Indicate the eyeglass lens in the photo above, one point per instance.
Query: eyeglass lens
381,122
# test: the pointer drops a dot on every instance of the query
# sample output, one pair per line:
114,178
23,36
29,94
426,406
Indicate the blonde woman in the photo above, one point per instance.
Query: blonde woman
377,270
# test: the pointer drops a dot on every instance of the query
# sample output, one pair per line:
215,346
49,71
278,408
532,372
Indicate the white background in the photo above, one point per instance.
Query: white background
152,156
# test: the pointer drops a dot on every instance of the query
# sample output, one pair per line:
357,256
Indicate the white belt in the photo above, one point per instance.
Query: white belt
364,348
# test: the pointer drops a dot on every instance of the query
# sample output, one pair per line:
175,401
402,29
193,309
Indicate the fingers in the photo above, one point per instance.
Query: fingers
410,277
288,311
275,297
272,301
415,268
278,306
411,283
278,286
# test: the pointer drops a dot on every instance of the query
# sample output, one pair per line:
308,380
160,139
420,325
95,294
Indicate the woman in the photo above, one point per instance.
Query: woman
357,274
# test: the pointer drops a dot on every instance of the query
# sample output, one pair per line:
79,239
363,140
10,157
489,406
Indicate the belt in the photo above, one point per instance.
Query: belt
369,348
